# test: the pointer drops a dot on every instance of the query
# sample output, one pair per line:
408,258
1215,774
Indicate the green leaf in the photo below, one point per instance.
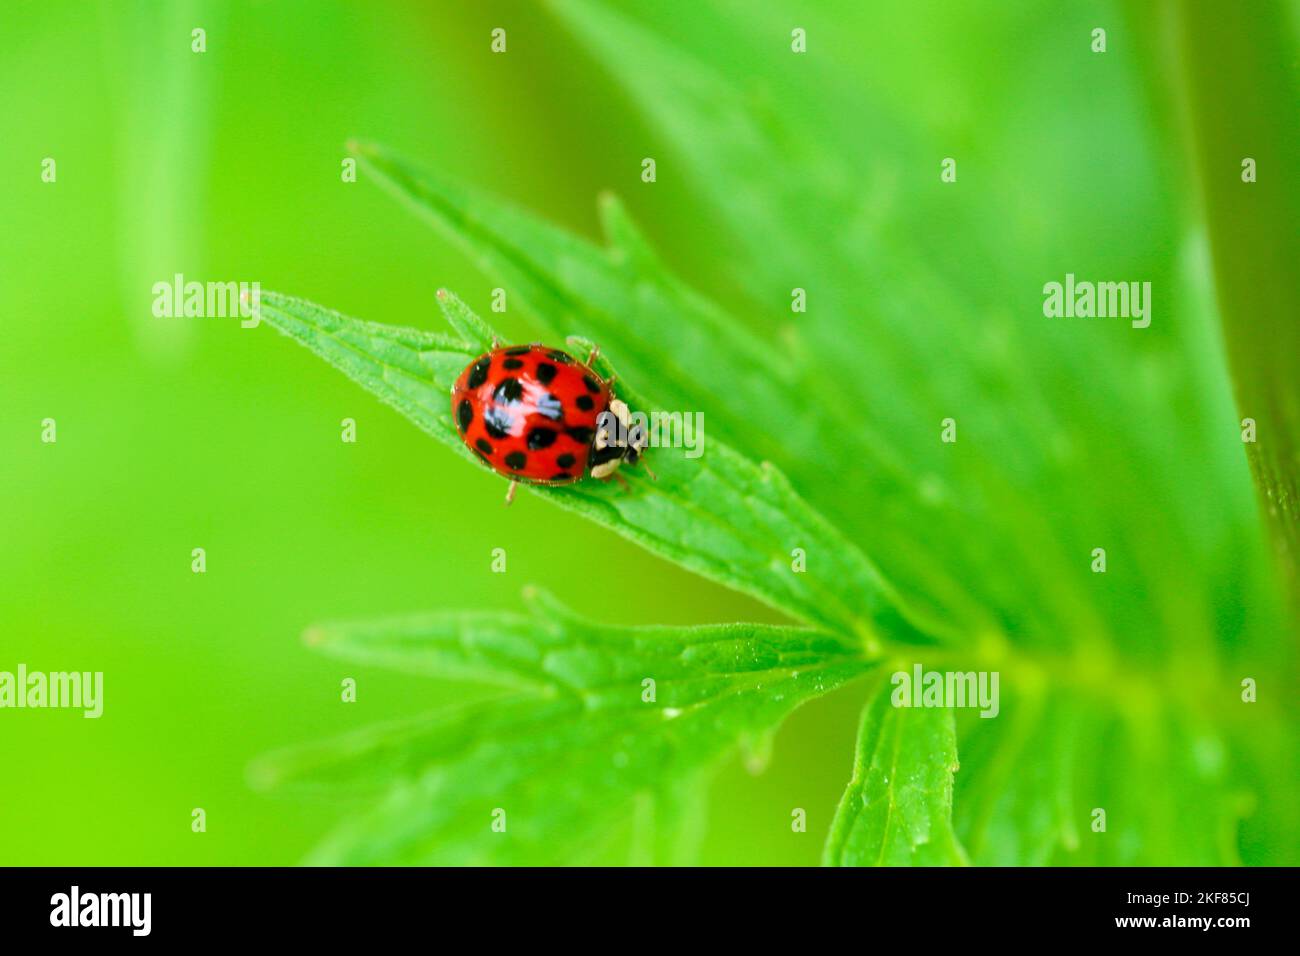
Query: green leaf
690,348
409,369
740,146
472,330
804,418
897,809
720,515
1252,229
697,357
622,294
577,750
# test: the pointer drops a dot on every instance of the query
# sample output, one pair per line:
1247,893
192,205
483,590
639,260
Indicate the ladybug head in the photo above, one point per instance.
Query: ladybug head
617,440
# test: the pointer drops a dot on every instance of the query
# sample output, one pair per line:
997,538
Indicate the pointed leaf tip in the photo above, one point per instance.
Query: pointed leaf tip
472,329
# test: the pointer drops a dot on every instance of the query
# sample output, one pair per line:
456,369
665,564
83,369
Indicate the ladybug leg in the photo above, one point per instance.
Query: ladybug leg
496,343
595,351
653,476
622,481
510,492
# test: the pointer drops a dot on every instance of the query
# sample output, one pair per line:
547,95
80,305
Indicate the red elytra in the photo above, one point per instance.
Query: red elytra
531,413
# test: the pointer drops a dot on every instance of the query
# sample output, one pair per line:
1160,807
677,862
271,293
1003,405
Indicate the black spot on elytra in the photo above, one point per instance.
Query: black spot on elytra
512,364
508,391
581,434
565,461
585,403
464,414
593,386
545,372
483,458
484,446
516,460
478,374
551,407
498,421
562,357
541,438
519,350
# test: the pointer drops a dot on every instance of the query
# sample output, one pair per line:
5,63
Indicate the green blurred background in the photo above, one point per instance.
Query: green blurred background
183,433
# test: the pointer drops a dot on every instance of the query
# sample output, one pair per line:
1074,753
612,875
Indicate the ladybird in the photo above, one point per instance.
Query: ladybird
536,414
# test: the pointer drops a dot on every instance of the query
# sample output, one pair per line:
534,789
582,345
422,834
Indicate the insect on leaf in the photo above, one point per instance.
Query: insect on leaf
721,515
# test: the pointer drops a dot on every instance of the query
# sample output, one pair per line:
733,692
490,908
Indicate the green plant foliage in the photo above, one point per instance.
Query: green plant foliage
897,809
1121,685
582,736
722,515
